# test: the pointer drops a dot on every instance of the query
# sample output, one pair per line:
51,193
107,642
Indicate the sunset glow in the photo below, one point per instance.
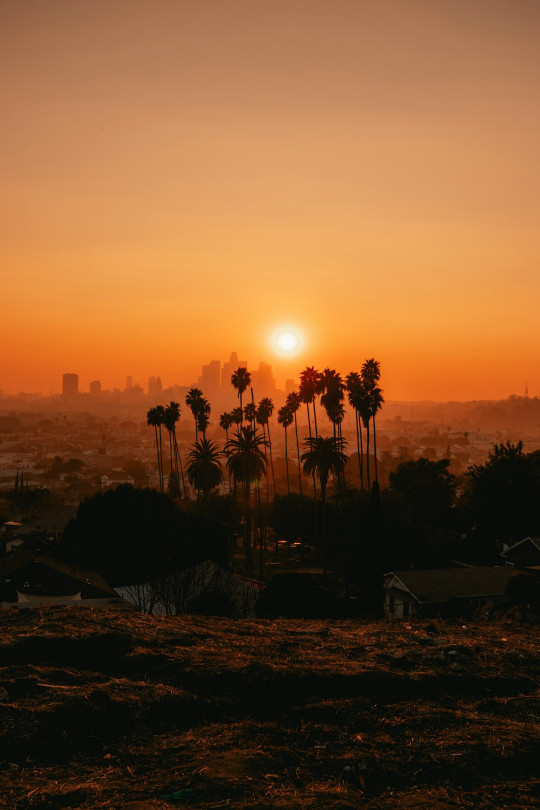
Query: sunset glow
179,178
287,341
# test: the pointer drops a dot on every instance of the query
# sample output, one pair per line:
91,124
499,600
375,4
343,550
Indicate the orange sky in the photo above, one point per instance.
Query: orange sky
181,177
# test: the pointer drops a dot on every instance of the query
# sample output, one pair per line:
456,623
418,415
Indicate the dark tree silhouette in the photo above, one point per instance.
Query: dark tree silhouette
204,466
240,380
285,419
293,404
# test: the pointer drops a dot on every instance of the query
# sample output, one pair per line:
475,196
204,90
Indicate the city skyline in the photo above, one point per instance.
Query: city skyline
183,177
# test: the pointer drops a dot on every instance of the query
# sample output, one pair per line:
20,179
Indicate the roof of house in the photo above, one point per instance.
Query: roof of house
441,584
31,572
535,541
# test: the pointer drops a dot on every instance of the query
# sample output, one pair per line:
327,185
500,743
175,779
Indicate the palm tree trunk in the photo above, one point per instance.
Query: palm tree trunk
162,477
271,459
298,453
375,448
315,419
179,463
324,542
367,454
358,439
247,527
309,428
157,452
286,463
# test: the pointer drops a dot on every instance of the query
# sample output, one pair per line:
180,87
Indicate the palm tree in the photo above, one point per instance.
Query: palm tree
153,420
356,396
247,461
225,422
172,414
237,416
203,416
250,413
371,374
324,455
204,467
193,401
376,401
331,387
285,419
264,412
169,421
309,388
293,404
160,417
240,380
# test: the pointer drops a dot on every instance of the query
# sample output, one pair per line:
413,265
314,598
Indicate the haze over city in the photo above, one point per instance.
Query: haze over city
183,178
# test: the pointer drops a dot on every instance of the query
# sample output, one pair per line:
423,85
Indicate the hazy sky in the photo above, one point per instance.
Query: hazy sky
180,177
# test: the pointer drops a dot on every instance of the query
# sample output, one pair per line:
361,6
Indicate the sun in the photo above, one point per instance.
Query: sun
287,341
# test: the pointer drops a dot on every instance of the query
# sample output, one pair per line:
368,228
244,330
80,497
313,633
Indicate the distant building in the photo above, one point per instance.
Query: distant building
70,385
95,388
262,380
290,386
210,378
230,367
129,381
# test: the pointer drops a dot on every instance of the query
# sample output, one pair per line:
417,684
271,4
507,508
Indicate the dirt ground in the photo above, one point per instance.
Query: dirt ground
108,709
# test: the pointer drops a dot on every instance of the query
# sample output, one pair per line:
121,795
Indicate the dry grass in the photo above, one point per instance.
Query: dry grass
113,710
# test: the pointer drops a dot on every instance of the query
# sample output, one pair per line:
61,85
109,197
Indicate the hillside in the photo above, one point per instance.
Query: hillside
105,709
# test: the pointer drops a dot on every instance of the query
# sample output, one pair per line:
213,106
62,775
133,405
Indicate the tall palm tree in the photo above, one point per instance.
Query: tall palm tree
204,467
237,416
309,388
285,419
172,416
225,422
324,455
247,461
250,413
356,395
293,403
331,386
193,401
203,416
376,401
153,420
160,417
371,374
169,422
264,412
240,380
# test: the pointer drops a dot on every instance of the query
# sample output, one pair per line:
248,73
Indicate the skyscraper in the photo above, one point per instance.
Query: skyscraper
70,385
95,388
229,368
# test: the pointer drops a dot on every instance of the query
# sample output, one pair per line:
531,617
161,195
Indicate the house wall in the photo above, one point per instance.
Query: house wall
397,604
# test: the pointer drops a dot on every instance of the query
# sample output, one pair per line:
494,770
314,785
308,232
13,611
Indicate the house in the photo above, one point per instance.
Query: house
115,478
31,579
444,591
525,554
